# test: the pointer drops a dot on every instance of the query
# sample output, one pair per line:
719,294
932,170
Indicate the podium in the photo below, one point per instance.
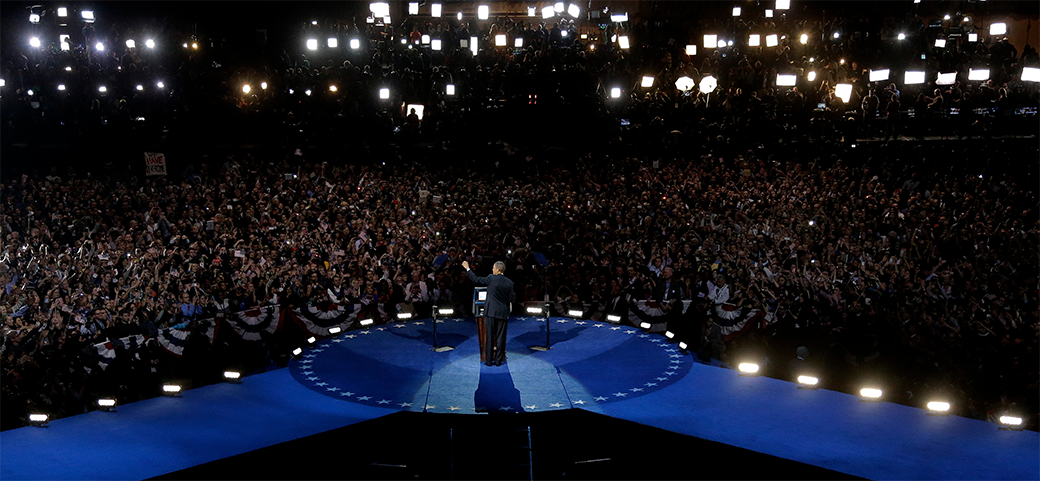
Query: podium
479,303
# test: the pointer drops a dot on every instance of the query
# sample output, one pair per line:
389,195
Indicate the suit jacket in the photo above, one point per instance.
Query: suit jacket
500,291
676,290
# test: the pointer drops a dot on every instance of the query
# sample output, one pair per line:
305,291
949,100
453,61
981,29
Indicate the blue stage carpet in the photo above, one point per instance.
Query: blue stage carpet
613,370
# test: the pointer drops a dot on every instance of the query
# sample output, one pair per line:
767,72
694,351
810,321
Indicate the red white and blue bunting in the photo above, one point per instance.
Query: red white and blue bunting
317,320
250,324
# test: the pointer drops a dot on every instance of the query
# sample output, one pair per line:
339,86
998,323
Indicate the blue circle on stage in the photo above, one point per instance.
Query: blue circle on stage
393,366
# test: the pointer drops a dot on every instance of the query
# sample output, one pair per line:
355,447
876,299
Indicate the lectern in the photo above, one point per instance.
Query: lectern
479,303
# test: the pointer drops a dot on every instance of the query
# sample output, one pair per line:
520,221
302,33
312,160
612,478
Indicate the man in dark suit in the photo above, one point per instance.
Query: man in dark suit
496,311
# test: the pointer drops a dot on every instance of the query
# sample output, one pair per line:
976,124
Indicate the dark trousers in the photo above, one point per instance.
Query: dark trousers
495,342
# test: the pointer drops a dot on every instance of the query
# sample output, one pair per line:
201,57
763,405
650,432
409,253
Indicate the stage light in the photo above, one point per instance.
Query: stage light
172,390
573,10
449,89
534,310
38,420
938,407
946,17
435,10
246,89
140,88
34,42
3,83
708,84
786,80
63,12
548,12
613,318
413,8
837,35
131,44
367,322
669,334
998,28
615,93
418,109
333,42
333,88
307,92
736,11
1011,423
691,50
297,351
978,74
483,12
754,40
940,43
575,313
973,37
622,42
29,92
194,45
683,346
844,92
966,19
435,44
312,340
185,45
563,33
107,404
532,11
946,78
384,93
404,315
149,43
711,41
425,39
783,4
808,382
729,43
518,42
619,17
459,16
811,76
901,36
644,325
474,45
312,44
233,377
405,41
100,47
769,13
870,394
61,87
102,89
558,7
445,311
913,77
501,40
379,9
65,45
684,83
748,368
87,15
812,222
647,82
356,44
68,69
804,39
1030,74
879,75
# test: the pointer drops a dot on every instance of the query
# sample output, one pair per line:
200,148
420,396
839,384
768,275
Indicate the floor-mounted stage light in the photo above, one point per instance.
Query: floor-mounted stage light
107,404
1011,423
748,369
233,377
297,352
440,311
870,394
335,330
613,318
938,408
38,420
171,390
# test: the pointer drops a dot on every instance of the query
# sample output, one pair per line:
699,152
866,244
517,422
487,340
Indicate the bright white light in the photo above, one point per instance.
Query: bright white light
644,325
967,19
754,40
748,367
575,313
435,44
501,40
483,12
558,7
171,388
65,46
711,41
682,345
131,44
314,22
613,318
356,44
804,39
879,75
940,43
619,17
333,42
333,88
87,15
458,16
445,311
106,403
534,310
312,340
769,13
379,9
1030,74
425,39
837,35
729,43
783,4
786,80
843,91
474,45
61,87
708,84
63,12
232,375
68,69
367,322
194,45
160,84
1010,420
946,78
149,43
29,92
307,92
185,45
811,76
615,92
297,351
100,47
3,82
518,42
573,10
870,393
312,44
246,88
140,88
34,42
38,418
736,11
532,11
435,10
563,33
973,37
691,50
946,17
669,334
622,42
978,74
384,93
938,406
413,8
548,12
998,28
647,82
418,110
808,380
335,330
102,89
912,77
772,40
449,89
684,83
721,44
404,315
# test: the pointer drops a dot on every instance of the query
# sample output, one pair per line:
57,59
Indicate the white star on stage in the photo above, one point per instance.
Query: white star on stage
310,355
308,373
346,393
615,328
399,326
630,332
675,355
662,379
677,361
333,389
655,340
562,321
600,398
350,336
580,323
578,402
531,407
313,378
440,321
380,328
621,394
650,384
556,405
636,389
454,408
366,331
337,340
598,325
383,401
364,398
672,350
506,408
321,384
644,335
306,361
419,323
670,373
458,320
429,407
405,405
320,350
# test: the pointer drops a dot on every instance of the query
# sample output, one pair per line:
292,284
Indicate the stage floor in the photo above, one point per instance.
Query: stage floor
612,370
